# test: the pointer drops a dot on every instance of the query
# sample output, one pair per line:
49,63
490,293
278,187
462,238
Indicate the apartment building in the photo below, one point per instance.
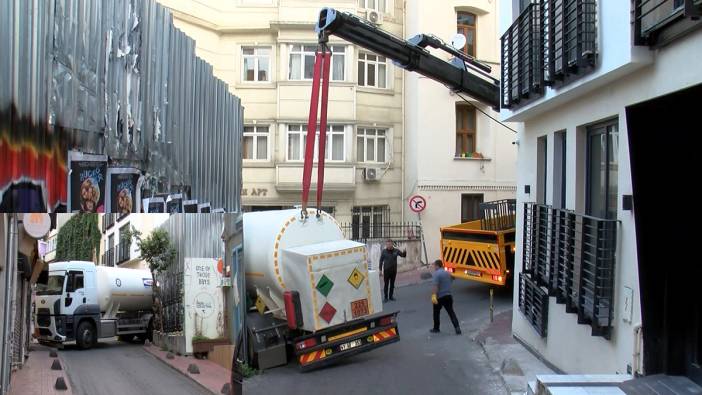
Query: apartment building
606,91
264,50
457,157
115,248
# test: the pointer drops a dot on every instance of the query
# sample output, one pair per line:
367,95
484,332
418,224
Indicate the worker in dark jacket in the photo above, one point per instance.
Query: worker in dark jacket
388,267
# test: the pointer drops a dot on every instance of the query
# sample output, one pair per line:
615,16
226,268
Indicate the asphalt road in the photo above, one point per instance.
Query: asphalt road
420,363
116,368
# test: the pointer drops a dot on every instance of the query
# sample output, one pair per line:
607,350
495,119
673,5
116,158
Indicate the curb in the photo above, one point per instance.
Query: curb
178,370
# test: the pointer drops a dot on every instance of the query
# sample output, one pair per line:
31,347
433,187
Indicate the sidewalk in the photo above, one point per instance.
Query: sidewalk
212,376
36,377
509,358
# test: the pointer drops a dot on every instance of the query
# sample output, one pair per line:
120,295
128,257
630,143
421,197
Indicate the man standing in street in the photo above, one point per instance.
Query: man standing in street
388,267
441,296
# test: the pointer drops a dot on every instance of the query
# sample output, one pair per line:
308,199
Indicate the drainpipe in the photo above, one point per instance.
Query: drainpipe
638,338
404,129
7,316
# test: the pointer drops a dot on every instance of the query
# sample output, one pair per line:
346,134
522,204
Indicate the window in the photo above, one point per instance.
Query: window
297,138
602,170
541,169
372,70
75,281
465,22
559,170
256,64
470,207
378,5
465,130
367,221
370,145
256,142
302,62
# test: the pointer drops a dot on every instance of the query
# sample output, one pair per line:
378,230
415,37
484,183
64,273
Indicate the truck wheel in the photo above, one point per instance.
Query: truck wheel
125,338
85,336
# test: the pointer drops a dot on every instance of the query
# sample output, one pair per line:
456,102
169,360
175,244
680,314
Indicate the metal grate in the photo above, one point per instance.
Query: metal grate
498,215
522,48
652,17
533,303
397,231
171,286
573,257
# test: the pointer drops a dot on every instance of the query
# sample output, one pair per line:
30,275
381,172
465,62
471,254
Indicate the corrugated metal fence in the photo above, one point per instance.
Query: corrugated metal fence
110,77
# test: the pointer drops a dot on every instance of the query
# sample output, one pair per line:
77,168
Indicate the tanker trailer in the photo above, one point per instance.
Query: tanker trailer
82,302
315,297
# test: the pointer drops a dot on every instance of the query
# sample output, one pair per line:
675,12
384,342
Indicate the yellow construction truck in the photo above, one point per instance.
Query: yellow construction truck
482,250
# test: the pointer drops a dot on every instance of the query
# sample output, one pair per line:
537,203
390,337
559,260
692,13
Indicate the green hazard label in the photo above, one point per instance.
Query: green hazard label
324,285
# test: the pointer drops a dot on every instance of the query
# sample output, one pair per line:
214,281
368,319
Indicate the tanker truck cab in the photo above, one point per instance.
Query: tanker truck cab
81,302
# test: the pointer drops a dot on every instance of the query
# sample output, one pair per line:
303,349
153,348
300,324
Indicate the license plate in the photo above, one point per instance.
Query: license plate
350,345
474,273
359,308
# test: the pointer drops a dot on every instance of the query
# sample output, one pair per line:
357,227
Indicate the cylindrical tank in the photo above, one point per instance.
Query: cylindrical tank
267,233
124,289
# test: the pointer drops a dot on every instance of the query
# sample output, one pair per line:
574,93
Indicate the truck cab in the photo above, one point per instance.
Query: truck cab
66,305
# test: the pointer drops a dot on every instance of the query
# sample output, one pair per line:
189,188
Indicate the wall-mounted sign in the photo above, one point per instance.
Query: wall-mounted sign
417,203
37,225
254,192
86,182
124,190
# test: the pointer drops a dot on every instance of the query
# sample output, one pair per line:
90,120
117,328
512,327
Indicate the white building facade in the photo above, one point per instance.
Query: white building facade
115,248
264,50
456,156
603,88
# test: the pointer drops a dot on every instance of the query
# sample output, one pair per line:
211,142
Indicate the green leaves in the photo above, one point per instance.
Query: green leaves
156,249
79,238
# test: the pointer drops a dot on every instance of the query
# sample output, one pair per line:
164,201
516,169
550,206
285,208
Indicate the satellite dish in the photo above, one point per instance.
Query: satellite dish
458,41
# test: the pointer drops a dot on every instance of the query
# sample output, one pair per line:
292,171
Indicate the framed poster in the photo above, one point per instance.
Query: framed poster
174,203
86,182
154,205
123,190
190,206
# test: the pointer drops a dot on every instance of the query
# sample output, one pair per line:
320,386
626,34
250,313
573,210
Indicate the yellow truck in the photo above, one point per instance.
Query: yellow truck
482,250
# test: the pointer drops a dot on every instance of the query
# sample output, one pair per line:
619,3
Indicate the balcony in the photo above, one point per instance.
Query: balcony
551,43
571,256
123,250
658,22
108,258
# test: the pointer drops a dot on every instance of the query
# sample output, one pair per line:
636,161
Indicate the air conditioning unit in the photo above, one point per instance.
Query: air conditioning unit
374,17
371,174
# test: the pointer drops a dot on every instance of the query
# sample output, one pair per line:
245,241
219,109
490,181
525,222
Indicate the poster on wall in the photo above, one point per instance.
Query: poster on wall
203,299
174,203
124,190
190,206
154,205
86,182
203,208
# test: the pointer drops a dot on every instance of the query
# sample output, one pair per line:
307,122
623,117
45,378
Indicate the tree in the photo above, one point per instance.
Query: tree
79,238
158,252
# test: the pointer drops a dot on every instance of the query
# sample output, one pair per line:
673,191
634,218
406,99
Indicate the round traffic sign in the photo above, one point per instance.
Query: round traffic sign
417,203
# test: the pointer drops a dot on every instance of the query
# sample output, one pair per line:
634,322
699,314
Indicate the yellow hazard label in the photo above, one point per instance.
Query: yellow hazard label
260,305
356,278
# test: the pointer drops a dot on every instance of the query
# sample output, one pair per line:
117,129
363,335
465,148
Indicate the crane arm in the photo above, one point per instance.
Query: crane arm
464,75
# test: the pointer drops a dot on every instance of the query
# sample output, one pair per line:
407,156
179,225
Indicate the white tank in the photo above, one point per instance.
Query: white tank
267,233
120,289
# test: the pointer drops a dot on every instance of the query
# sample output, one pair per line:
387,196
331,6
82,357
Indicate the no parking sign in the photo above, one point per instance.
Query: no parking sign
417,203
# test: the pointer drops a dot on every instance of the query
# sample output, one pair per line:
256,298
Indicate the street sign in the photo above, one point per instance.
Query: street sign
417,203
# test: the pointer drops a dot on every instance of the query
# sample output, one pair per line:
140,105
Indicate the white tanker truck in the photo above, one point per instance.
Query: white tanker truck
315,295
82,302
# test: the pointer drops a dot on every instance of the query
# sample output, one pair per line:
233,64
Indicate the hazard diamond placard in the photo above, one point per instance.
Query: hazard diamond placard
324,285
356,278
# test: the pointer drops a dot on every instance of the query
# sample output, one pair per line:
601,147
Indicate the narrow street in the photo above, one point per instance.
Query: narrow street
421,363
116,368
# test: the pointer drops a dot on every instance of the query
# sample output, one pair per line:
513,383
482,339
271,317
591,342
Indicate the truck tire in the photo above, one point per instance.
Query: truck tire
85,335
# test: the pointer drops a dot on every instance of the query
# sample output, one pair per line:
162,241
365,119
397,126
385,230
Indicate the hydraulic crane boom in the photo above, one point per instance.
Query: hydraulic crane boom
411,55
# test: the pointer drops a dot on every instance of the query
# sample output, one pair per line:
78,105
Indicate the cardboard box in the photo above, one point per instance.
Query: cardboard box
222,355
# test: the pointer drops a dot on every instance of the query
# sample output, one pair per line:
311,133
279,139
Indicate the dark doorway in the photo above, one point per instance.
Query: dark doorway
470,206
670,272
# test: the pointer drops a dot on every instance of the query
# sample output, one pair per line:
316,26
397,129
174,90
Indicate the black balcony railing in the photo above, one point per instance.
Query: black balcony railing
657,22
382,230
552,42
572,257
533,303
123,252
522,53
108,257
